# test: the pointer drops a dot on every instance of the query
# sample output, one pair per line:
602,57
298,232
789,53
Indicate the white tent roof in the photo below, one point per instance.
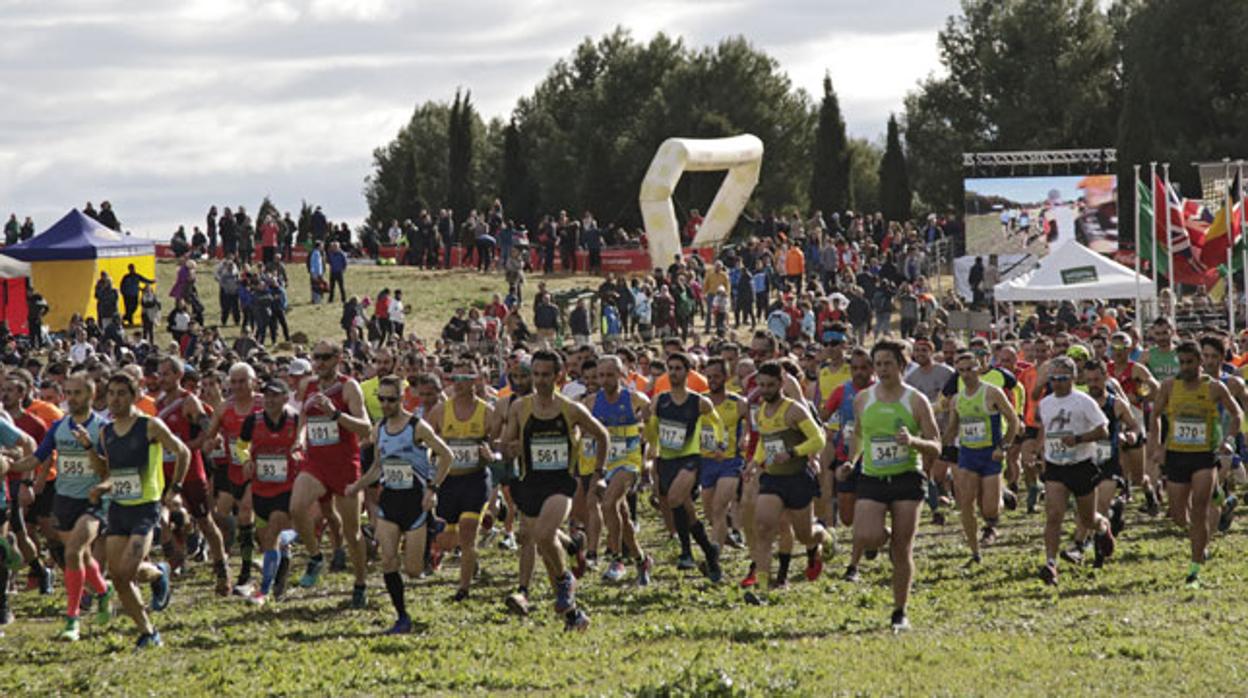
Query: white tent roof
1074,272
13,268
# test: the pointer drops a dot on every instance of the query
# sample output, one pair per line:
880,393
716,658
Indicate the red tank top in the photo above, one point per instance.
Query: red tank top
270,449
330,446
1125,375
231,426
172,414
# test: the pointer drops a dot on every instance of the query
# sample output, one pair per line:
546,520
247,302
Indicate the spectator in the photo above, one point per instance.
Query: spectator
28,229
131,287
277,310
320,226
228,226
381,315
456,329
908,305
105,299
882,306
446,233
578,321
546,318
397,316
591,237
642,311
210,224
108,218
150,313
270,235
337,270
352,316
228,290
976,281
12,230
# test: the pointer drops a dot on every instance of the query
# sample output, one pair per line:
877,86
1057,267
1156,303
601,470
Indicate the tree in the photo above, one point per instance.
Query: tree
831,189
864,173
460,139
517,188
894,182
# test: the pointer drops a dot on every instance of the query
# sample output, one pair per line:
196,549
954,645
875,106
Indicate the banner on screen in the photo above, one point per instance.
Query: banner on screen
1021,215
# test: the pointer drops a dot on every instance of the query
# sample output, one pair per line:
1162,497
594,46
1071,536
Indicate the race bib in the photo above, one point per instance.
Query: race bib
708,440
1190,432
671,435
589,448
549,453
72,464
618,449
1056,451
127,486
218,453
232,453
397,474
271,468
322,431
973,431
464,454
1104,451
886,452
772,446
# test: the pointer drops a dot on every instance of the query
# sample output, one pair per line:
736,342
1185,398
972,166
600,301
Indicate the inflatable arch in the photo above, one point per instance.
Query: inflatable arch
741,155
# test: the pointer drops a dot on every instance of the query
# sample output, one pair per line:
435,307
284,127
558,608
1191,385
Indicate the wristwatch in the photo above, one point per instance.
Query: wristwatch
433,487
336,414
176,488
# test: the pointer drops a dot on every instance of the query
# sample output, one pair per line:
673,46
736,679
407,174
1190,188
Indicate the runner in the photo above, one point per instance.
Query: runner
893,424
619,408
10,559
409,486
1123,431
1213,351
1037,387
587,504
720,472
1070,425
266,448
330,427
541,435
839,422
78,520
131,473
30,418
930,378
182,412
1162,361
231,488
467,424
1139,385
975,426
503,472
788,481
673,423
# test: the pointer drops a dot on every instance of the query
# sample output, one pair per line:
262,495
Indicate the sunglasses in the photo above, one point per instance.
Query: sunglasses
387,398
1060,378
323,357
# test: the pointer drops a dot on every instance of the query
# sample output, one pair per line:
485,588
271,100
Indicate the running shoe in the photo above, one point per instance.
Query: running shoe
104,607
989,536
975,560
1010,499
1151,506
149,640
244,589
460,595
1193,581
565,588
938,518
1048,574
751,577
402,626
71,633
162,590
359,597
256,598
851,574
643,571
312,574
508,542
754,599
576,620
338,563
1073,554
614,572
711,567
1104,545
814,568
900,622
1116,510
685,562
518,603
1228,514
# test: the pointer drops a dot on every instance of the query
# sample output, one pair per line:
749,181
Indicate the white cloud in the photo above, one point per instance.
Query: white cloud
177,105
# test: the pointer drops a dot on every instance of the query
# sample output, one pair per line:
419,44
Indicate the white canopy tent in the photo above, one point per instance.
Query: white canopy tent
1074,272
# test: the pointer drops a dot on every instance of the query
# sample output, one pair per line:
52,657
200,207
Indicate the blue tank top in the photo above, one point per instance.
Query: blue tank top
75,478
614,414
401,460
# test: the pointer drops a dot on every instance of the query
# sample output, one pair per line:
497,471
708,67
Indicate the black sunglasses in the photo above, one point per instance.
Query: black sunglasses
323,357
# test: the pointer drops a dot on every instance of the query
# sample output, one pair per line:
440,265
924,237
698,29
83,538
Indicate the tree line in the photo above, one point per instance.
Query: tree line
1150,78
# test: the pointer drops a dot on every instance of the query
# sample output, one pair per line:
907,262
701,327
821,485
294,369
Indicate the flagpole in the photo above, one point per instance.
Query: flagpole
1139,319
1153,257
1230,251
1243,229
1174,286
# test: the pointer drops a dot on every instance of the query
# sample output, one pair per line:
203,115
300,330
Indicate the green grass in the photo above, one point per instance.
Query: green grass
430,297
1129,628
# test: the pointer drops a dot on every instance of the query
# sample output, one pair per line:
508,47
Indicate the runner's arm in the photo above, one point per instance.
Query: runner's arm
929,444
1233,411
596,431
355,419
441,452
1006,407
373,474
158,431
804,422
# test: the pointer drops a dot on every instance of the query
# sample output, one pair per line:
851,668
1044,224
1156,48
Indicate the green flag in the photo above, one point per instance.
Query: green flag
1237,258
1144,213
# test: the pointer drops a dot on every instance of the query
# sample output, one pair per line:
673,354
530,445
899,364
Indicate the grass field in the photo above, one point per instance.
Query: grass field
1131,628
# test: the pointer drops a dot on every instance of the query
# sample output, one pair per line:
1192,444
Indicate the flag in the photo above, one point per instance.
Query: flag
1224,230
1188,267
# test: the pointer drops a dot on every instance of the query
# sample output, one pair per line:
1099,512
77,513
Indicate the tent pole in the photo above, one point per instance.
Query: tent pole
1230,251
1136,193
1174,285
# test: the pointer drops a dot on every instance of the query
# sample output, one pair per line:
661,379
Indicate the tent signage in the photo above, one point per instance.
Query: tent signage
1079,275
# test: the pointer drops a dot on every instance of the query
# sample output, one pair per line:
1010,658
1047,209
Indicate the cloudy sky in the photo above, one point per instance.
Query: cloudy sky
168,108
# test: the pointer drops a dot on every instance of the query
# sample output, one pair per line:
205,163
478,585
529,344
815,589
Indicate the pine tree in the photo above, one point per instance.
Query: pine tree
894,182
460,143
830,187
517,187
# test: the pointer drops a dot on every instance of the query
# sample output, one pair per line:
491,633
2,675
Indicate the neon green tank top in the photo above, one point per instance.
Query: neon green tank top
974,419
880,422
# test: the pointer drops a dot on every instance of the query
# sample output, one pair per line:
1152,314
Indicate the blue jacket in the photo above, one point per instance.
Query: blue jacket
337,262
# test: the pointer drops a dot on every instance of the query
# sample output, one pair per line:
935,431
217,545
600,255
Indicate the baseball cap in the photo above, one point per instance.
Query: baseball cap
276,386
299,367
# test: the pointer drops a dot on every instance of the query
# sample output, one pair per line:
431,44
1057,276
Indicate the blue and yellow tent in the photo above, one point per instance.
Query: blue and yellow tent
66,260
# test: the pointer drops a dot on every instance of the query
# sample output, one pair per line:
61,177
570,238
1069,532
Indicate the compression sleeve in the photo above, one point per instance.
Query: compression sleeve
816,439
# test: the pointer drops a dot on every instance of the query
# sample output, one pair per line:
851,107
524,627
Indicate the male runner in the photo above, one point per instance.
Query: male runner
230,486
1123,430
403,442
1139,385
540,434
1071,423
720,472
330,427
10,559
893,425
838,414
619,407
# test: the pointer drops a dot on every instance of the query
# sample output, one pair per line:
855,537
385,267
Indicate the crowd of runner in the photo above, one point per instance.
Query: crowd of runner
125,473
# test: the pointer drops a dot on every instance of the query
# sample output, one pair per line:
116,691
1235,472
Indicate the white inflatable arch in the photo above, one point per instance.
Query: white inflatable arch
741,155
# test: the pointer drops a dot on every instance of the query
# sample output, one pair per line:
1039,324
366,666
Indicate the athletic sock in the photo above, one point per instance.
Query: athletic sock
268,570
394,587
699,534
73,591
95,580
1193,569
990,522
632,506
782,573
681,520
246,547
